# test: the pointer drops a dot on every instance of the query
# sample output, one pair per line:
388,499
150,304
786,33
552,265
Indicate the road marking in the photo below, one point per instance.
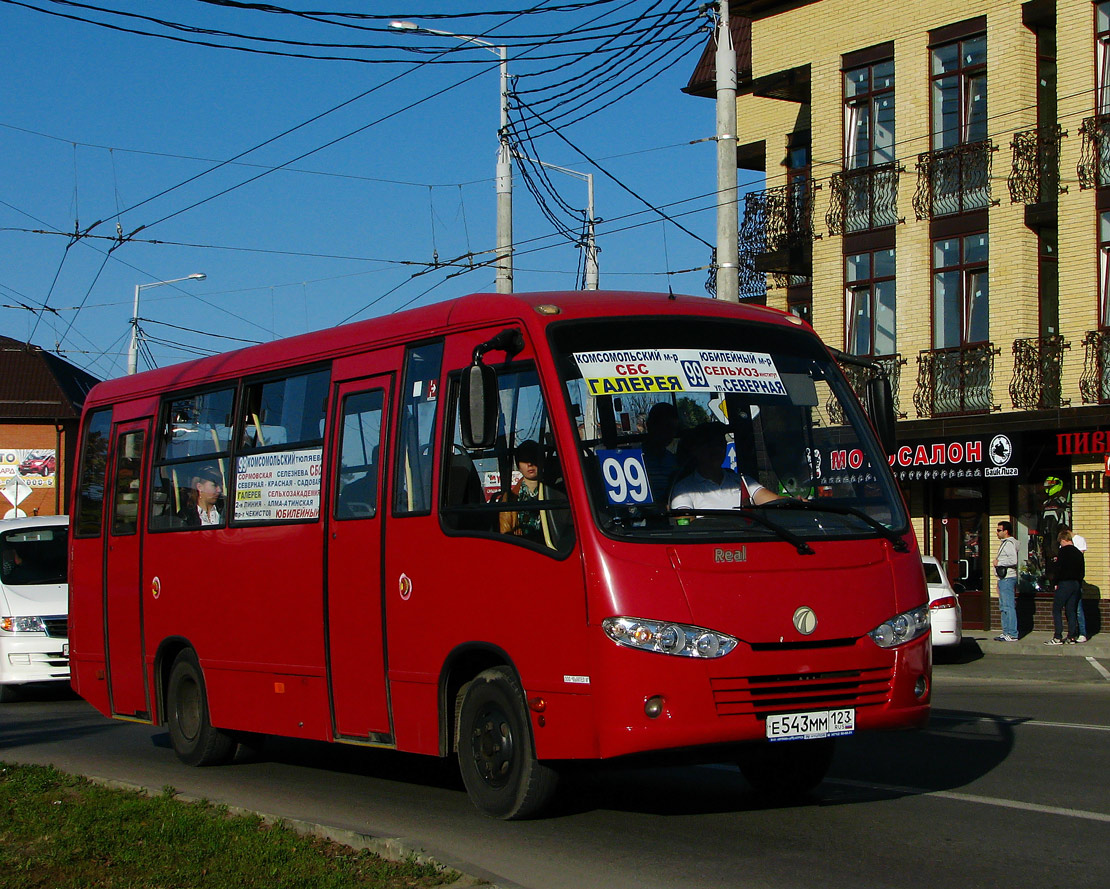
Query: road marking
973,798
1017,720
1101,669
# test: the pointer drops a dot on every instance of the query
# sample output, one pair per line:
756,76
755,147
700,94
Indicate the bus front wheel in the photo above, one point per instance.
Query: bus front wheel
786,768
499,768
195,740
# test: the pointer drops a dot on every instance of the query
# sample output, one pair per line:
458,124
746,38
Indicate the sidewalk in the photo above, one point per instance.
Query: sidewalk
1033,643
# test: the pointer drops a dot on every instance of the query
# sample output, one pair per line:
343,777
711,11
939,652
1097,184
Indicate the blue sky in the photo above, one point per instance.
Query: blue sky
94,124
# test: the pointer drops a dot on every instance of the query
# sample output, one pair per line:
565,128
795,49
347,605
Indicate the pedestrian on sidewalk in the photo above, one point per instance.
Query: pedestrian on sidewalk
1068,576
1080,543
1005,567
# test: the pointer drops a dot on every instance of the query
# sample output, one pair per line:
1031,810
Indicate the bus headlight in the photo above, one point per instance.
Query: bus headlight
901,628
22,625
667,638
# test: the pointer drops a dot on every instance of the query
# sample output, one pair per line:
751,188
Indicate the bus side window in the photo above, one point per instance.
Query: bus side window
94,468
128,481
359,446
416,434
515,489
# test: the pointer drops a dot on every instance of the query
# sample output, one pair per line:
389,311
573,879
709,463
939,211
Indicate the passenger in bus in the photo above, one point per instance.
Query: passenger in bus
539,525
711,485
660,461
202,499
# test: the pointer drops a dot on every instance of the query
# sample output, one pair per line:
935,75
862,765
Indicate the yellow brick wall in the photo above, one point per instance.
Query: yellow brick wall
817,35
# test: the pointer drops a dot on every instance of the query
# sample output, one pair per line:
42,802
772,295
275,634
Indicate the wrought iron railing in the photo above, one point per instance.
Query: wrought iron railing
861,200
959,380
1094,151
777,231
752,284
889,366
1094,385
1038,363
1035,174
953,180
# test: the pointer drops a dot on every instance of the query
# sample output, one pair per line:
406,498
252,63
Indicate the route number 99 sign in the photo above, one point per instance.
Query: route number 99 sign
626,478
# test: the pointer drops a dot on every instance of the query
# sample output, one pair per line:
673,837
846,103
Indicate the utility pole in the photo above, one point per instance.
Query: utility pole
504,187
728,223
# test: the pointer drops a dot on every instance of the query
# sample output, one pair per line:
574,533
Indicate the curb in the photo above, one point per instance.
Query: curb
396,849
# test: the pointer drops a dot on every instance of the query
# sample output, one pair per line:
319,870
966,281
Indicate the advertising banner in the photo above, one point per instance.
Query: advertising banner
281,486
36,468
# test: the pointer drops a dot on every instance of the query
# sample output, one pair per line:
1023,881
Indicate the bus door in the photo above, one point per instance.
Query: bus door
123,604
355,620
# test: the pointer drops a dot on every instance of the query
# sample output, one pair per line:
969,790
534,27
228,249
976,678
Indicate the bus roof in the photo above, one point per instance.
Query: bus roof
475,309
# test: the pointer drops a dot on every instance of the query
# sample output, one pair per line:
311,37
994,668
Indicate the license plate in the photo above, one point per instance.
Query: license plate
818,724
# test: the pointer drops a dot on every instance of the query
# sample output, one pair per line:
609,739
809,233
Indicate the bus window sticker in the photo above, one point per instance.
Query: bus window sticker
652,371
626,477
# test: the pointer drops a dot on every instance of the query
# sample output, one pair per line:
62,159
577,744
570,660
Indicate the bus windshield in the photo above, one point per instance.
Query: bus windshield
708,428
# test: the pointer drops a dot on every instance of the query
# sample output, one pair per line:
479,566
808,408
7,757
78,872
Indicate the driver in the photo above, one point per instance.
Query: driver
711,485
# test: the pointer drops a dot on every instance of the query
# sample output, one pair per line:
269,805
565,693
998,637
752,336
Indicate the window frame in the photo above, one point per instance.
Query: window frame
965,269
854,287
868,99
963,74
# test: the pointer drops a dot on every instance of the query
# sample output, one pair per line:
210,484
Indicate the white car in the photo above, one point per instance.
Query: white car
944,605
34,602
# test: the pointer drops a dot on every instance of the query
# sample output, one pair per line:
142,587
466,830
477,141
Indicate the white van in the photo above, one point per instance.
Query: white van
34,602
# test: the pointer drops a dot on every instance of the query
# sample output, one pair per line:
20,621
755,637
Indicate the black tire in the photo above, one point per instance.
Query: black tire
496,755
786,768
195,740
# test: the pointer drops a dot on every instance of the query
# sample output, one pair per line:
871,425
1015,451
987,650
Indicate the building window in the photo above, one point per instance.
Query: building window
1104,269
959,92
960,291
869,115
870,303
1102,55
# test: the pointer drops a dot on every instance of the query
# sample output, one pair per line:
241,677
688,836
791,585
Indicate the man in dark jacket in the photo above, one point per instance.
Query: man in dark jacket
1069,573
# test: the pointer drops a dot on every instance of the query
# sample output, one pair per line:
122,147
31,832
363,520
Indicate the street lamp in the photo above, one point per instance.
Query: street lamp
591,220
133,351
504,155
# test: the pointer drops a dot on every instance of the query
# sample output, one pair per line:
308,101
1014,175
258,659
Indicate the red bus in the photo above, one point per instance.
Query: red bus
459,530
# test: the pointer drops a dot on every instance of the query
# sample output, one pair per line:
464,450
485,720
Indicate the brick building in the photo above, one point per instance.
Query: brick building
40,407
937,197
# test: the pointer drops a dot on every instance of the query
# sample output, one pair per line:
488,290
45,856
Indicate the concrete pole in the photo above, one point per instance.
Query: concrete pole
591,244
504,188
728,223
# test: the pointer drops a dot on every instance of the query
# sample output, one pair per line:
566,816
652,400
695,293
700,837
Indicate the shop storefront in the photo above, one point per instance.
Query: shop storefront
1040,479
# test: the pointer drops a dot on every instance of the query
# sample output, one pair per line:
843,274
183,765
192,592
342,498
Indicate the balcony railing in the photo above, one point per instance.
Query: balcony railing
777,231
1094,385
1038,363
889,366
1094,151
955,381
861,200
953,180
1035,174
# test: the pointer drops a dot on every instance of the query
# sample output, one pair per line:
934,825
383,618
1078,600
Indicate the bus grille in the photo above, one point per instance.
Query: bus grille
57,627
760,695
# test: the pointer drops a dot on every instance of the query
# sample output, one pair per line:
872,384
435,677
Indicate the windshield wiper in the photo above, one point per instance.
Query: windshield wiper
898,541
789,536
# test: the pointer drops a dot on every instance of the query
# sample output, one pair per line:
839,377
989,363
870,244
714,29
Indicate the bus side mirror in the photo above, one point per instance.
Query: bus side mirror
478,406
880,407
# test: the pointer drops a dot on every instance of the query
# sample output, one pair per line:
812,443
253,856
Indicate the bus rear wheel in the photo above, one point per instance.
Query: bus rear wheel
195,740
786,768
496,759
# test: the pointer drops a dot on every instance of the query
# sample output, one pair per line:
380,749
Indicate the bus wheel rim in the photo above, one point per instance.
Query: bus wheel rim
493,747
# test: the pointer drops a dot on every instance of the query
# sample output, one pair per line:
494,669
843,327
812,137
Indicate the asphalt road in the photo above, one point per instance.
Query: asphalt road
1007,787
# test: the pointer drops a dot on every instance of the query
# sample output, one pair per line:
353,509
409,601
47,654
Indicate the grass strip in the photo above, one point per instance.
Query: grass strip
58,831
